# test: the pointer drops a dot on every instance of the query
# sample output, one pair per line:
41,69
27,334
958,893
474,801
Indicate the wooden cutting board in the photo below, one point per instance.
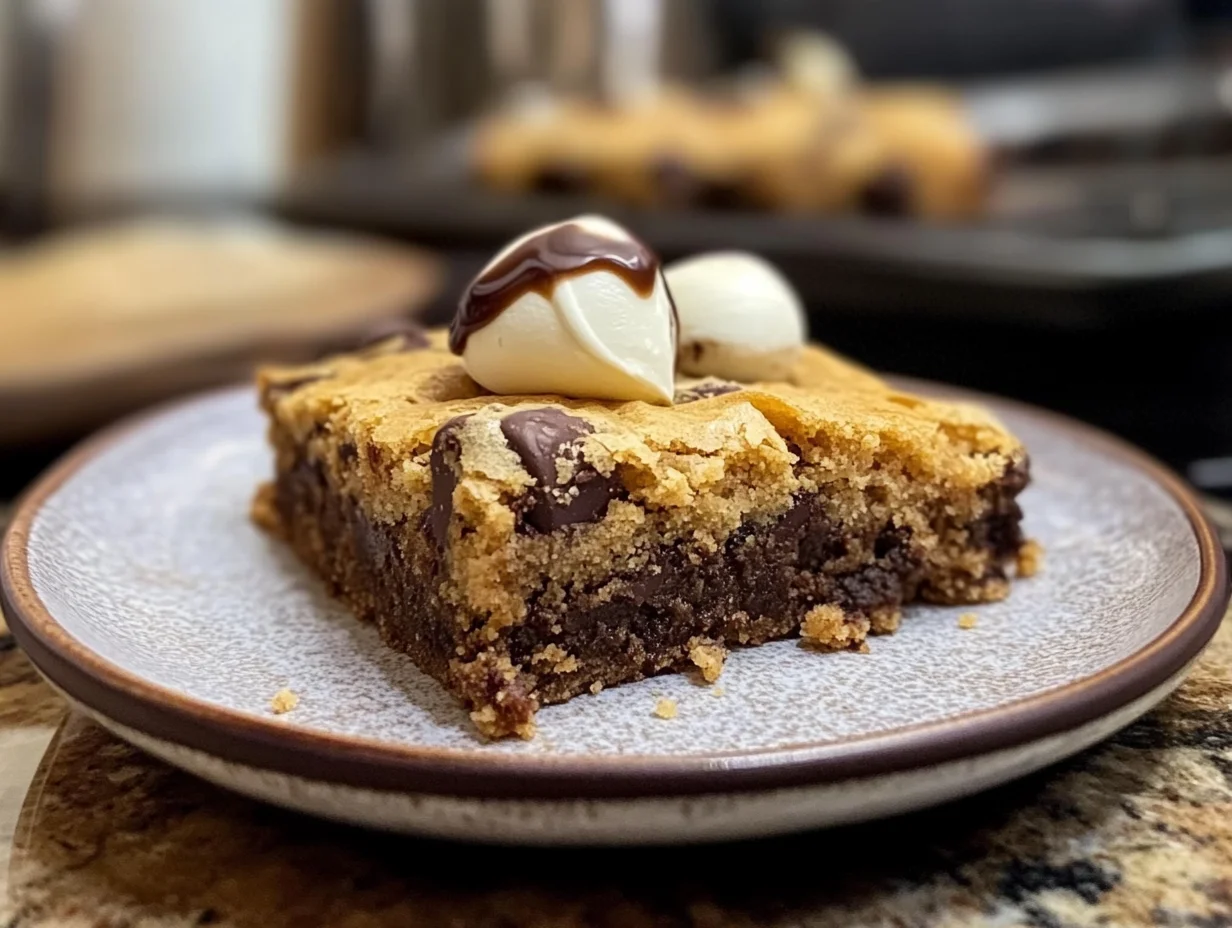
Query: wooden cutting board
97,322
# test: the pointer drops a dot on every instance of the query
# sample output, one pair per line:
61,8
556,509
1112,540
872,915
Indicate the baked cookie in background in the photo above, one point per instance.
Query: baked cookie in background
924,131
808,137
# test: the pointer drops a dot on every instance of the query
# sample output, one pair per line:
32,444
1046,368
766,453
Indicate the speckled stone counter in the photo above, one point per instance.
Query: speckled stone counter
1137,831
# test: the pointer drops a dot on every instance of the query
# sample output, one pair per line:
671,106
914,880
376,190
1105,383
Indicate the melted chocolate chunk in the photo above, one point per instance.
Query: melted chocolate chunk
679,185
411,335
890,193
792,522
890,539
1000,529
443,462
647,583
675,181
540,437
704,391
1016,477
538,264
561,179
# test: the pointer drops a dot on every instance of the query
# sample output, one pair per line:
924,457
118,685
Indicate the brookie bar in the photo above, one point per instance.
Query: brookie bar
526,548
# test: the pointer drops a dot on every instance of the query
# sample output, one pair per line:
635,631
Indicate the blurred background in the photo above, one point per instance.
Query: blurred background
1028,197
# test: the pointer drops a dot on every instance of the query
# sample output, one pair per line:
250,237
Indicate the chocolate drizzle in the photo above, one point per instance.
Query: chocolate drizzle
539,263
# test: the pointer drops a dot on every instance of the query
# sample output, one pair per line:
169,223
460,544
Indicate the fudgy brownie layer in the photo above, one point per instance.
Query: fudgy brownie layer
763,584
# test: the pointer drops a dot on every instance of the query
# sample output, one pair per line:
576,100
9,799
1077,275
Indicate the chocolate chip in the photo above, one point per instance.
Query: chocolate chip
410,335
347,451
561,179
722,194
675,182
704,391
1017,476
540,437
999,529
792,522
443,463
890,539
646,584
679,185
890,193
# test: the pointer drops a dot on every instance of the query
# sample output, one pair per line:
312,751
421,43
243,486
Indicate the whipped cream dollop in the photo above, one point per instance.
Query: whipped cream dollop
578,308
739,318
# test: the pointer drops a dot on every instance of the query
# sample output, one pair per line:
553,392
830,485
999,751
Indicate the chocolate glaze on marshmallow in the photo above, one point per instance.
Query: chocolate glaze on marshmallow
579,308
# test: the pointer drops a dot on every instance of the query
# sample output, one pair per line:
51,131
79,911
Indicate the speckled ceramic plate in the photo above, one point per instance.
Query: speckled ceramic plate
136,583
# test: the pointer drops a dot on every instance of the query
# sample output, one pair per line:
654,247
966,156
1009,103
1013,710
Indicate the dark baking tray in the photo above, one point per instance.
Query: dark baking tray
1113,198
1070,247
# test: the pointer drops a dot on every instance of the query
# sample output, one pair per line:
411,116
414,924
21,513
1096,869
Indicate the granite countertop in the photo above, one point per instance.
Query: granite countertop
1136,831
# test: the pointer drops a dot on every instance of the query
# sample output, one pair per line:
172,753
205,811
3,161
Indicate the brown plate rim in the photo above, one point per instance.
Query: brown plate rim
270,744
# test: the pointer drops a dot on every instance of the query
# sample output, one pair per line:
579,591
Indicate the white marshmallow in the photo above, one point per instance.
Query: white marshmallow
739,317
593,336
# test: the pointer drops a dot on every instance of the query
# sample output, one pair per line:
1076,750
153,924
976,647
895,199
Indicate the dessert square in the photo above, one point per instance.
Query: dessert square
889,151
525,548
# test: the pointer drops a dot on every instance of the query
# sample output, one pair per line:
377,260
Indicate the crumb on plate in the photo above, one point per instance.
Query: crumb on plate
284,701
708,656
968,620
665,708
829,628
1030,559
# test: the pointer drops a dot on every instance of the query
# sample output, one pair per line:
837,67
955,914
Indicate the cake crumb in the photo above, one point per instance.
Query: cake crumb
885,620
968,620
284,701
829,628
665,708
1030,559
264,511
560,660
597,687
488,723
717,691
709,658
